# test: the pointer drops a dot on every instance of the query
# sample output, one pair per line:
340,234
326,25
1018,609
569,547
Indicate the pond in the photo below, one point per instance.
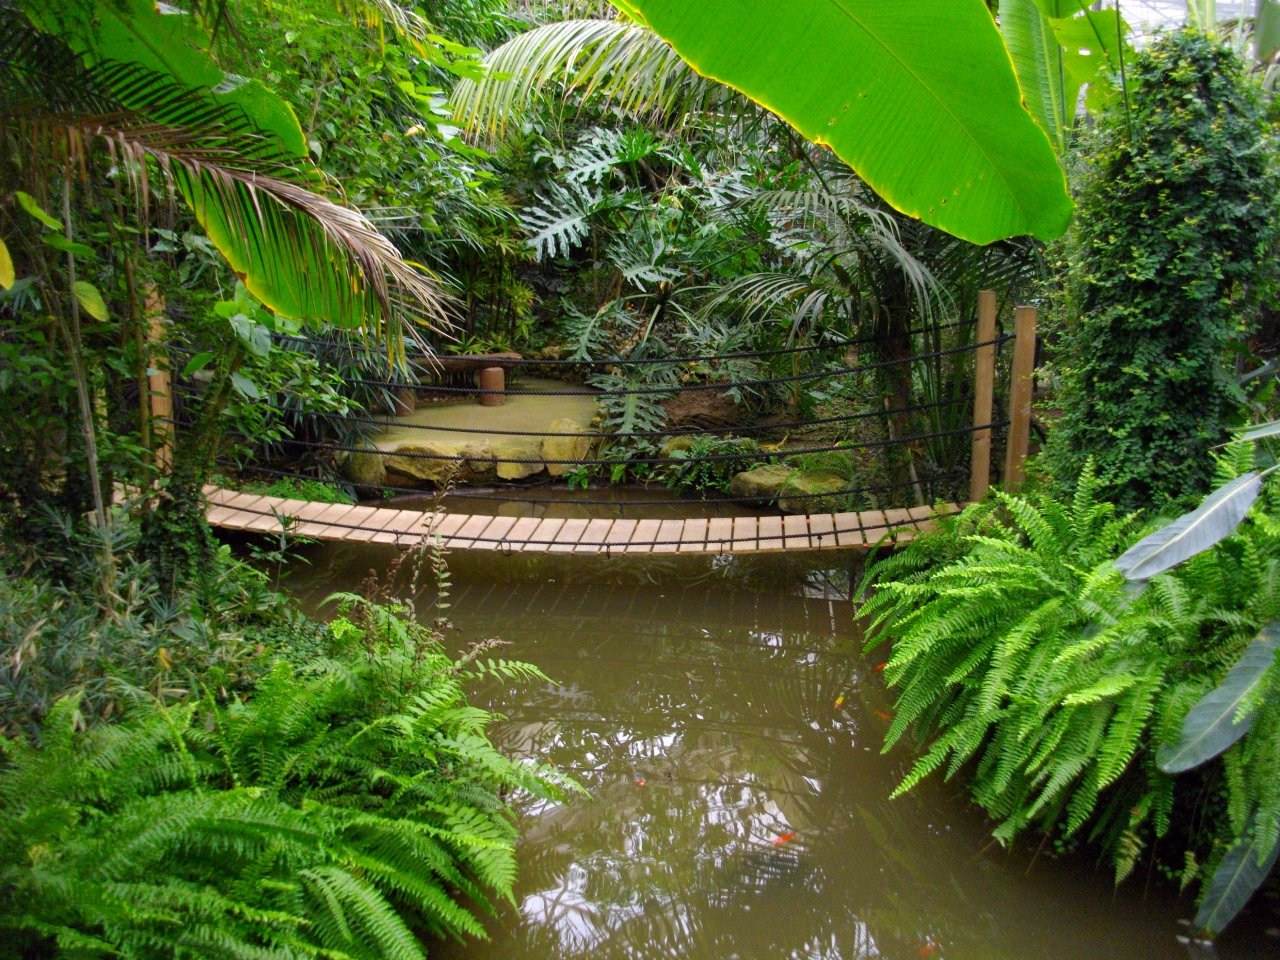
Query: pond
728,728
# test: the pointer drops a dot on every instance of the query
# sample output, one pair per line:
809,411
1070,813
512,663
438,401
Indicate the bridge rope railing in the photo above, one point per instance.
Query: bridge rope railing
389,420
426,361
824,374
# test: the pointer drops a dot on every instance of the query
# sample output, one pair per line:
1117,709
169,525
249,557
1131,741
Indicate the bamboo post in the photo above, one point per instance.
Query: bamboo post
1024,362
159,385
984,376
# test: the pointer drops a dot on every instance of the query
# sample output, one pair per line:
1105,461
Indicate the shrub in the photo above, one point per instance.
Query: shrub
342,810
692,471
57,638
1023,657
1174,224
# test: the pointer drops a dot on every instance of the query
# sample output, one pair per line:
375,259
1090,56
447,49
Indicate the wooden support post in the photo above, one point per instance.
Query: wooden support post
1024,362
159,385
984,376
493,380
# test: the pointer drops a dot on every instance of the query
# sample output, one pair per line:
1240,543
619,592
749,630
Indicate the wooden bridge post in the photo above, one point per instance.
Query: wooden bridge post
1024,362
984,375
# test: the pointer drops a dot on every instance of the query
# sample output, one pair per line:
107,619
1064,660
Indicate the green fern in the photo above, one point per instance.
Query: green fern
342,811
1021,659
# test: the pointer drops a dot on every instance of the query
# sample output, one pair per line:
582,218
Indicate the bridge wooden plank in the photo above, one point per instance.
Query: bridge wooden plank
568,536
595,537
620,535
544,534
795,532
444,526
851,531
521,531
667,539
495,535
468,532
746,535
404,528
720,535
642,537
332,522
371,526
693,536
822,527
770,533
875,528
269,523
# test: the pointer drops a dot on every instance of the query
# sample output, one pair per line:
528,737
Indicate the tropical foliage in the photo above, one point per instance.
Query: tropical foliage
1071,683
339,811
1170,254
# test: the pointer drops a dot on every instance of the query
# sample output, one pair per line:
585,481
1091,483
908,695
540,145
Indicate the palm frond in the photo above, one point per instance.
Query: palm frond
623,64
301,253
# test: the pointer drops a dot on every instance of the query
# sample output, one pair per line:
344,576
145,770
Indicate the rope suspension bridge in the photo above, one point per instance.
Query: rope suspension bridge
812,530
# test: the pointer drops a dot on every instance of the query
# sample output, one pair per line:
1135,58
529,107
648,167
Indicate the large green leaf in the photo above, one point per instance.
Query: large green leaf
1056,49
918,96
1212,725
169,43
1267,31
1213,521
1241,872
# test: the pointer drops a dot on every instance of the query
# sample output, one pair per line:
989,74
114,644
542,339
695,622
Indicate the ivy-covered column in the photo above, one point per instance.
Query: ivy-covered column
1176,216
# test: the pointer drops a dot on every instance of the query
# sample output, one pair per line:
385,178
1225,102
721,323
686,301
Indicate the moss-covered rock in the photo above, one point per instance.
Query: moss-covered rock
565,448
812,491
765,483
525,453
366,469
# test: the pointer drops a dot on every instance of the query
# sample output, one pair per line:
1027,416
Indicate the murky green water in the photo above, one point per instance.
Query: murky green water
728,729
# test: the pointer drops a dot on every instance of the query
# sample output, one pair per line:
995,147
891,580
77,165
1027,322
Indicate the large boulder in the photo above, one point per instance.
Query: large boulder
366,468
565,448
815,491
525,453
795,491
761,483
432,461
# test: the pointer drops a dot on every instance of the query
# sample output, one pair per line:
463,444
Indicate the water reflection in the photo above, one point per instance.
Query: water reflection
730,741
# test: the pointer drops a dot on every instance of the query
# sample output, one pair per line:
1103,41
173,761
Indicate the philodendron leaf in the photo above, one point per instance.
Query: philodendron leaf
1234,882
91,301
1211,522
1211,726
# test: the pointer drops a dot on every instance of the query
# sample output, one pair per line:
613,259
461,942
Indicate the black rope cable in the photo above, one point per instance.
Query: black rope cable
679,388
390,421
456,494
601,462
641,361
781,534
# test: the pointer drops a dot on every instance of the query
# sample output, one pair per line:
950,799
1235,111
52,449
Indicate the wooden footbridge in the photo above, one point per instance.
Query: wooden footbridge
859,530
